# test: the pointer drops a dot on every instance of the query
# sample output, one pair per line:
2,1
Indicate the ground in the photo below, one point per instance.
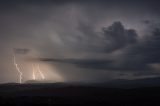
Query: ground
66,94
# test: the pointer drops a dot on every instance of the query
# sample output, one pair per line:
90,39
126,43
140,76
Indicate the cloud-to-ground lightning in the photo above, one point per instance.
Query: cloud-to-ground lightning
18,69
35,69
33,73
42,75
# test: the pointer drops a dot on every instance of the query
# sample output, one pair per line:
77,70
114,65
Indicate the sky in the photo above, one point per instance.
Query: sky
79,40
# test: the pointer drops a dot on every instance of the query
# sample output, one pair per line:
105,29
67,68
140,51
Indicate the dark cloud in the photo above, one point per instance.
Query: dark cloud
79,62
89,35
146,21
21,51
148,51
141,55
109,39
137,57
117,37
97,64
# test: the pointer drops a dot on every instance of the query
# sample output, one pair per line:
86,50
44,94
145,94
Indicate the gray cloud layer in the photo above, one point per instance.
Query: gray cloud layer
99,40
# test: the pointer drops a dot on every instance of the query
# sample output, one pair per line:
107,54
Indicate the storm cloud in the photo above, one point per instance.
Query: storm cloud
80,40
117,37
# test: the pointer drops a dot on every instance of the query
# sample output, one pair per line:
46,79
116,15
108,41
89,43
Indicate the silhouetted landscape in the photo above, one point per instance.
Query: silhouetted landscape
81,94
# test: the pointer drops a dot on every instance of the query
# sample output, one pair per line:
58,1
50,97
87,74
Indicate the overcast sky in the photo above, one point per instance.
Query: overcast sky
87,40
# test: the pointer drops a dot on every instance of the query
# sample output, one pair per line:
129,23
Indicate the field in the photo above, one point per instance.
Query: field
62,94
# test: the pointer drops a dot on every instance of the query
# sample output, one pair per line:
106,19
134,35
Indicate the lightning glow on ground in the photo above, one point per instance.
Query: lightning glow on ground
18,69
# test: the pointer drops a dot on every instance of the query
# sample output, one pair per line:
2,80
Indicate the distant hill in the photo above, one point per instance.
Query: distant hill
145,82
33,81
58,94
118,83
38,81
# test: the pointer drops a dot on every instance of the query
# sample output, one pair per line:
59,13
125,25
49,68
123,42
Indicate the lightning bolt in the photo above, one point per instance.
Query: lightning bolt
18,69
36,68
33,74
42,75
